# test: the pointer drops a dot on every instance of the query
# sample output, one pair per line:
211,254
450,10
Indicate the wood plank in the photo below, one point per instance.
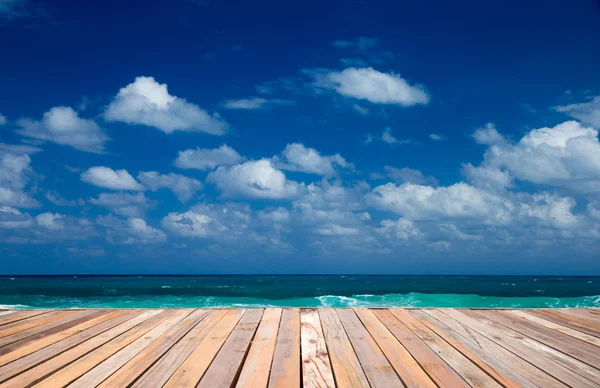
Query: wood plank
6,312
344,362
567,320
461,364
316,367
495,355
106,368
55,362
580,313
227,365
377,368
28,323
557,327
434,366
21,315
161,371
36,342
285,369
490,371
133,369
92,359
255,371
31,360
194,367
564,343
409,370
538,354
43,326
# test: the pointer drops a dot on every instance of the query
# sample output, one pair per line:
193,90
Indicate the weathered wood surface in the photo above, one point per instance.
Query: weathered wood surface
275,348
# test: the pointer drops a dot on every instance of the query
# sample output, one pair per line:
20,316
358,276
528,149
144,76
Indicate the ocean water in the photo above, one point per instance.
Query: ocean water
298,291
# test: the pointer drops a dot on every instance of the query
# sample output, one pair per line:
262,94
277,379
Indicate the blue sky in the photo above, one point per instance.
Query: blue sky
268,137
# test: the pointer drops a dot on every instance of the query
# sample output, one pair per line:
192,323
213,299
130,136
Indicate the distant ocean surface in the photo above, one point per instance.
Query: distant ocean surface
298,291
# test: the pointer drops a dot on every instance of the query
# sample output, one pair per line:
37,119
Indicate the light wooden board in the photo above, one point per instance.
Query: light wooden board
285,369
316,367
288,347
160,372
255,372
527,348
440,372
194,367
348,371
31,360
227,364
102,371
377,368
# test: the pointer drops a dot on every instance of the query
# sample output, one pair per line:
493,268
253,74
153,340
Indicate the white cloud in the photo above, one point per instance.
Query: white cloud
11,218
255,103
15,175
373,86
50,221
459,201
17,149
567,155
131,231
488,135
436,137
58,200
586,112
125,204
182,186
111,179
387,137
336,230
278,215
361,109
147,102
62,125
3,120
297,157
408,175
188,224
207,159
551,210
402,229
254,179
487,177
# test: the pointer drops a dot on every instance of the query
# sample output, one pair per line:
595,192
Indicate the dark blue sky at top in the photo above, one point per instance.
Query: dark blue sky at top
504,62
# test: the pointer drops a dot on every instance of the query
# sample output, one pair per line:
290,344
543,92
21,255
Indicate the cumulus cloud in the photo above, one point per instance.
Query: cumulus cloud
149,103
567,155
124,204
11,218
408,175
62,125
254,179
58,200
255,103
108,178
16,175
50,221
297,157
373,86
183,187
586,112
402,229
436,137
459,201
130,231
3,120
188,224
207,159
336,230
387,137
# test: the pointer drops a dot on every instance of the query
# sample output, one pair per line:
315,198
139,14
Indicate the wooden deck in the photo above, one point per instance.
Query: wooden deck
286,348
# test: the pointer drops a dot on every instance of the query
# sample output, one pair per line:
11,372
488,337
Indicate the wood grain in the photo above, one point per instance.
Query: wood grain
285,369
316,367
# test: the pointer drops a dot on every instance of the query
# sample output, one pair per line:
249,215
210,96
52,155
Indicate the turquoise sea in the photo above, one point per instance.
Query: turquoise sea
298,291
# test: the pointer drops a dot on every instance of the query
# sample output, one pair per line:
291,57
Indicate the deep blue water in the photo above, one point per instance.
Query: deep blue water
298,291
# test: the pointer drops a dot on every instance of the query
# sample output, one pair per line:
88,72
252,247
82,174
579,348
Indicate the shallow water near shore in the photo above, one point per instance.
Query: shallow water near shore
298,291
